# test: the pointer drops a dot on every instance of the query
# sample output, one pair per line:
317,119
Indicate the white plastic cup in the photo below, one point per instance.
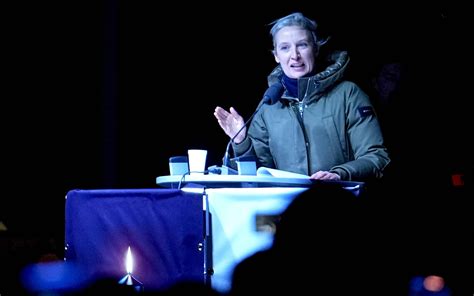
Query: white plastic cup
197,161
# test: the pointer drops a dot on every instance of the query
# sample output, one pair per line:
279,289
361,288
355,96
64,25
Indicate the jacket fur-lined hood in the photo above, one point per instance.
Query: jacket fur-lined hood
332,70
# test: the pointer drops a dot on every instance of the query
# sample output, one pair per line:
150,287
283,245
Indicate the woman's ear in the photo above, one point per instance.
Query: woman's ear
275,56
316,51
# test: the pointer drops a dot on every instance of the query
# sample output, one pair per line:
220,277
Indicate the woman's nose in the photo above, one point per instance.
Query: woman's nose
295,54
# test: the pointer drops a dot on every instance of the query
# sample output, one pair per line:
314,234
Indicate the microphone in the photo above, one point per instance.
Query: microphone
271,96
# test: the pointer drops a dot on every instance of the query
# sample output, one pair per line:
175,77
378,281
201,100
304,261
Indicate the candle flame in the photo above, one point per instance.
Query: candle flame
129,261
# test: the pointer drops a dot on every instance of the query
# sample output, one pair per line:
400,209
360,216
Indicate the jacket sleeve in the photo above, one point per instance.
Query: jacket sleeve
256,143
365,138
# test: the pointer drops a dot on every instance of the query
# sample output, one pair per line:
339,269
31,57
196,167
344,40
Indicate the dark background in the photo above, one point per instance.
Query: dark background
99,94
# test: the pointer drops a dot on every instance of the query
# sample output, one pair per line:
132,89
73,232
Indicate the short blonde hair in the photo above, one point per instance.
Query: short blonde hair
299,20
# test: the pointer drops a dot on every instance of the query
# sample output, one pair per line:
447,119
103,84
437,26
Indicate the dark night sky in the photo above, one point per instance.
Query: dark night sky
100,95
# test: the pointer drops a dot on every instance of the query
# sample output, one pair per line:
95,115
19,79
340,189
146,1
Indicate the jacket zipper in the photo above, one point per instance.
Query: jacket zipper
299,116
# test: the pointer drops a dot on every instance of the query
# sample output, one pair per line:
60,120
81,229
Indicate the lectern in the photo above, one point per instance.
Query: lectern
240,212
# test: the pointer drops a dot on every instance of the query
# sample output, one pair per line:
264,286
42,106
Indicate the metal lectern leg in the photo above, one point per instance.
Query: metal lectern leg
207,242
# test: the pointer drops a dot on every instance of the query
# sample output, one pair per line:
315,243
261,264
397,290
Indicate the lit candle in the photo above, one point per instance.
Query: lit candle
128,279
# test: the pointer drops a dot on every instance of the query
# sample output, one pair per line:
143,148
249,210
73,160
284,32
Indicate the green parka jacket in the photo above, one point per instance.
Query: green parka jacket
331,126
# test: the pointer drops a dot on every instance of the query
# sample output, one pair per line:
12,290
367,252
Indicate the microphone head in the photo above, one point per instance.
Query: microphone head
273,93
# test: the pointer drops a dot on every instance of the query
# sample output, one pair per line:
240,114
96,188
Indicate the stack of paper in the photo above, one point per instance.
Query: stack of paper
264,171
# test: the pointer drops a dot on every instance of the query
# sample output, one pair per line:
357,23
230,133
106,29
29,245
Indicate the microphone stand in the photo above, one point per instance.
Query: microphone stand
227,168
272,94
